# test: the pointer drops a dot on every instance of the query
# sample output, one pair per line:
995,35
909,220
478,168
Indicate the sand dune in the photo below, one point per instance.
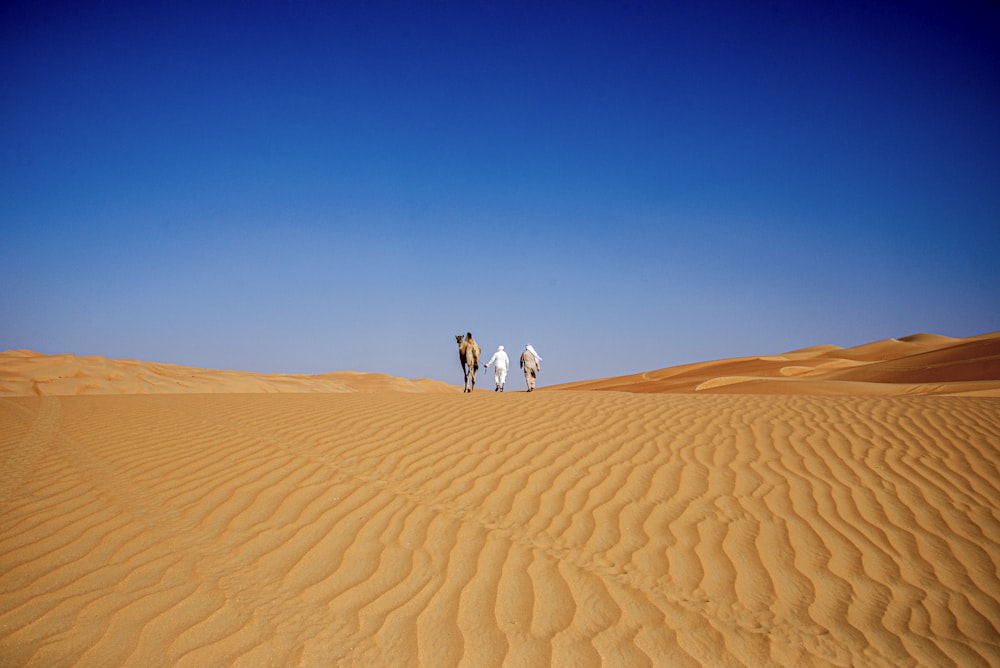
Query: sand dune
27,373
918,364
566,528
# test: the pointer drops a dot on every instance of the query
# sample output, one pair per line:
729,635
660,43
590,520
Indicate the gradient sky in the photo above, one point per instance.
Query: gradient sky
314,186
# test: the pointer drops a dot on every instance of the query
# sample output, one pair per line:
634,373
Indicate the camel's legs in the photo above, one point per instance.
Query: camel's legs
470,376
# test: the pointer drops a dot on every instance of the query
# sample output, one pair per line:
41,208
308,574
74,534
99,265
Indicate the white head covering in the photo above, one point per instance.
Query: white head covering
499,347
531,350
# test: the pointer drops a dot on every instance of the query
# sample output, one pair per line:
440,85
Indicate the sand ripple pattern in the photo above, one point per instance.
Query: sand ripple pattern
565,528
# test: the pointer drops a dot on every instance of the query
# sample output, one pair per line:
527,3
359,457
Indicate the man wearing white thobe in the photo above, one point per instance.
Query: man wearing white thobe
501,363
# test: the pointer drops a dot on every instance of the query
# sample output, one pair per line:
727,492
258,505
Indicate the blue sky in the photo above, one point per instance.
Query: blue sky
311,187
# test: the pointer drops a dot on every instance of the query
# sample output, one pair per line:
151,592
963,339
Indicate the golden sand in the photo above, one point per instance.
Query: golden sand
564,527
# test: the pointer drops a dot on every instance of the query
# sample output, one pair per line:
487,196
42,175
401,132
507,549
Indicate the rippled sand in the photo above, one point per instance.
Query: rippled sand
568,528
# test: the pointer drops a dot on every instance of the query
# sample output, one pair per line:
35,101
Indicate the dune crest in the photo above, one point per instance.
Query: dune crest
27,373
916,364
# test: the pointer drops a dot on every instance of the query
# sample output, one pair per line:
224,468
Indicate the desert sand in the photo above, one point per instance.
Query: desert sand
825,507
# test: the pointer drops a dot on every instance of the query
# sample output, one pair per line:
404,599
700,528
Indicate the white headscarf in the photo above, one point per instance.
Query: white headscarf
531,350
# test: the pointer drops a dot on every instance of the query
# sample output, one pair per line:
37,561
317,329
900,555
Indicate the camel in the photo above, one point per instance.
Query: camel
468,355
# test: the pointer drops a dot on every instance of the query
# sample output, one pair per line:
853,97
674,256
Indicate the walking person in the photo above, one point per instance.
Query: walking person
500,362
531,362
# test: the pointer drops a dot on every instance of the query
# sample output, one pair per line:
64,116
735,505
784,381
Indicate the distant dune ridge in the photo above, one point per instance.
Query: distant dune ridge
27,373
824,507
918,364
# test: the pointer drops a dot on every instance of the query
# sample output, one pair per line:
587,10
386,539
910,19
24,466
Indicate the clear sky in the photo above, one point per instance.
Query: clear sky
322,186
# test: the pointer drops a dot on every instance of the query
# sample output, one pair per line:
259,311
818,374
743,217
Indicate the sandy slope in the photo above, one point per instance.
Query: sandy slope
918,364
568,528
27,373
